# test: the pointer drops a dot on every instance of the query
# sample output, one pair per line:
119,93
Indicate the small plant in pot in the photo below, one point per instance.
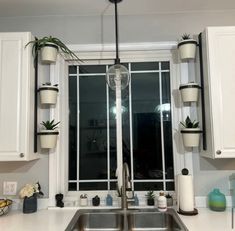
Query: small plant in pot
190,132
189,92
48,135
83,200
187,47
169,200
150,198
49,47
48,93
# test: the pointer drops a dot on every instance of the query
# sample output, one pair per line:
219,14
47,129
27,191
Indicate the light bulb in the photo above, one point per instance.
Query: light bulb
117,76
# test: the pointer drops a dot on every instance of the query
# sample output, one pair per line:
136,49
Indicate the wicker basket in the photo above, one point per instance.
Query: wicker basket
5,205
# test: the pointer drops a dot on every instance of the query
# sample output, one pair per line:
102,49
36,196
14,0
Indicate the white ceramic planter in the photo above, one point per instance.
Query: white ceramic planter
48,94
83,201
48,138
191,136
189,92
187,49
49,53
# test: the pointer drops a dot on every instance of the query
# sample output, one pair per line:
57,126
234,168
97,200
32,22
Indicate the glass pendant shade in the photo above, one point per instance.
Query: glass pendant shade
117,77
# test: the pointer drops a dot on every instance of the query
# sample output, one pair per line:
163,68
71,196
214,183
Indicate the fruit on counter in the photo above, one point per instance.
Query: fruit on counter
5,202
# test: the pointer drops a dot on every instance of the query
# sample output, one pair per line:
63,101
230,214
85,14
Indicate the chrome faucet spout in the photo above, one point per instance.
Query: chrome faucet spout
125,185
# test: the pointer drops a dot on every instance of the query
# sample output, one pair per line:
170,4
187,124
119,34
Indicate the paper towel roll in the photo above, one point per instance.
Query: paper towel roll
185,193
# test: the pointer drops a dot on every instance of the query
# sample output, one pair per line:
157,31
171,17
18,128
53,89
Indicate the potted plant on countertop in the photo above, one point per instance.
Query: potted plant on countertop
150,198
83,200
190,132
169,200
48,93
48,135
189,92
187,47
49,47
29,193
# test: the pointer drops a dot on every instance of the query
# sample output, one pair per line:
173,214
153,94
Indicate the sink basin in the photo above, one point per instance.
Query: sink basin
97,220
154,221
130,220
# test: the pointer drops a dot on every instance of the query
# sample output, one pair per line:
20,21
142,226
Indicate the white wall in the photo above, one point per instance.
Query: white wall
145,28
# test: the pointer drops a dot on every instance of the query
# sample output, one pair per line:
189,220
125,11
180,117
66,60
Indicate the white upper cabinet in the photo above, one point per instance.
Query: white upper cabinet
219,79
16,98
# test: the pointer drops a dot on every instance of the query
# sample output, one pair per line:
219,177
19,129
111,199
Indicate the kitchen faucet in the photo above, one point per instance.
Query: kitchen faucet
126,185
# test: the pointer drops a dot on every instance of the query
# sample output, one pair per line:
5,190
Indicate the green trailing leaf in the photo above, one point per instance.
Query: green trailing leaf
50,125
37,44
190,124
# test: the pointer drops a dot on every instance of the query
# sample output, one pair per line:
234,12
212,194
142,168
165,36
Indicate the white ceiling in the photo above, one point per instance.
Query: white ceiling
19,8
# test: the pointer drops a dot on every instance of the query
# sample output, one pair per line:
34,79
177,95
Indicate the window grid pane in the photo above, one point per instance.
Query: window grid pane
146,78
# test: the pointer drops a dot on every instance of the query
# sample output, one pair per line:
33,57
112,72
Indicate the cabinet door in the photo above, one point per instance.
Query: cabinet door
221,75
14,87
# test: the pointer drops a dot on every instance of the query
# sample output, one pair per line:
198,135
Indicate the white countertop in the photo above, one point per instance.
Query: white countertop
208,220
58,219
42,220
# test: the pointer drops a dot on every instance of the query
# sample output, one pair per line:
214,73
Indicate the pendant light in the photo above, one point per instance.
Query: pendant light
117,75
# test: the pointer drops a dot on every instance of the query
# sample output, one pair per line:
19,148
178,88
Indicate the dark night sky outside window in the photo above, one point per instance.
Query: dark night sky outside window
147,128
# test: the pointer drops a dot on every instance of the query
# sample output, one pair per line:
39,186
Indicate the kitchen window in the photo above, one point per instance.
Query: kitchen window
146,124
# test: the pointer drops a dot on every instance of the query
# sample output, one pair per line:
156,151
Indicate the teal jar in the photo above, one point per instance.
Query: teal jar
216,200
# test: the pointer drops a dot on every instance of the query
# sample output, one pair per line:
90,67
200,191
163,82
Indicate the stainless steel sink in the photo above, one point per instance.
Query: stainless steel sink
148,220
130,220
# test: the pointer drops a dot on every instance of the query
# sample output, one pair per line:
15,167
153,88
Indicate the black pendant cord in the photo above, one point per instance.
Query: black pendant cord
117,60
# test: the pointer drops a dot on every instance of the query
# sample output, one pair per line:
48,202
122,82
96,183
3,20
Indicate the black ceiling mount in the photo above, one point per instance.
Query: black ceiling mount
113,1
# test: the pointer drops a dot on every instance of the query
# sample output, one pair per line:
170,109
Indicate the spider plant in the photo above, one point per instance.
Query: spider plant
37,44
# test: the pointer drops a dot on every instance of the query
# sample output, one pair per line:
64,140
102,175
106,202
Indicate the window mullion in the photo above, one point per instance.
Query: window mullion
78,128
108,133
162,132
131,131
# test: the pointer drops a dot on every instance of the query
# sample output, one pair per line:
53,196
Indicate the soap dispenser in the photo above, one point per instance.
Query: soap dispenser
161,202
109,200
136,200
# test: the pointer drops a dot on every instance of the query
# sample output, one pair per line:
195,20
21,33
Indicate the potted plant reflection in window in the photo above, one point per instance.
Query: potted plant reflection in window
190,132
48,135
29,193
150,196
187,47
48,93
49,46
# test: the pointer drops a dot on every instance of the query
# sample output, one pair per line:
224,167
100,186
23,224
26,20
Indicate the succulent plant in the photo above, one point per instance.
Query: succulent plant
185,36
49,84
49,125
150,195
83,196
190,124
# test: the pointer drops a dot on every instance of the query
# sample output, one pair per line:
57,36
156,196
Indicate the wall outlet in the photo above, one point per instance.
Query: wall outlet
9,187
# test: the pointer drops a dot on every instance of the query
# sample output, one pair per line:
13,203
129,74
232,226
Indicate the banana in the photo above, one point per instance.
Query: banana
4,203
